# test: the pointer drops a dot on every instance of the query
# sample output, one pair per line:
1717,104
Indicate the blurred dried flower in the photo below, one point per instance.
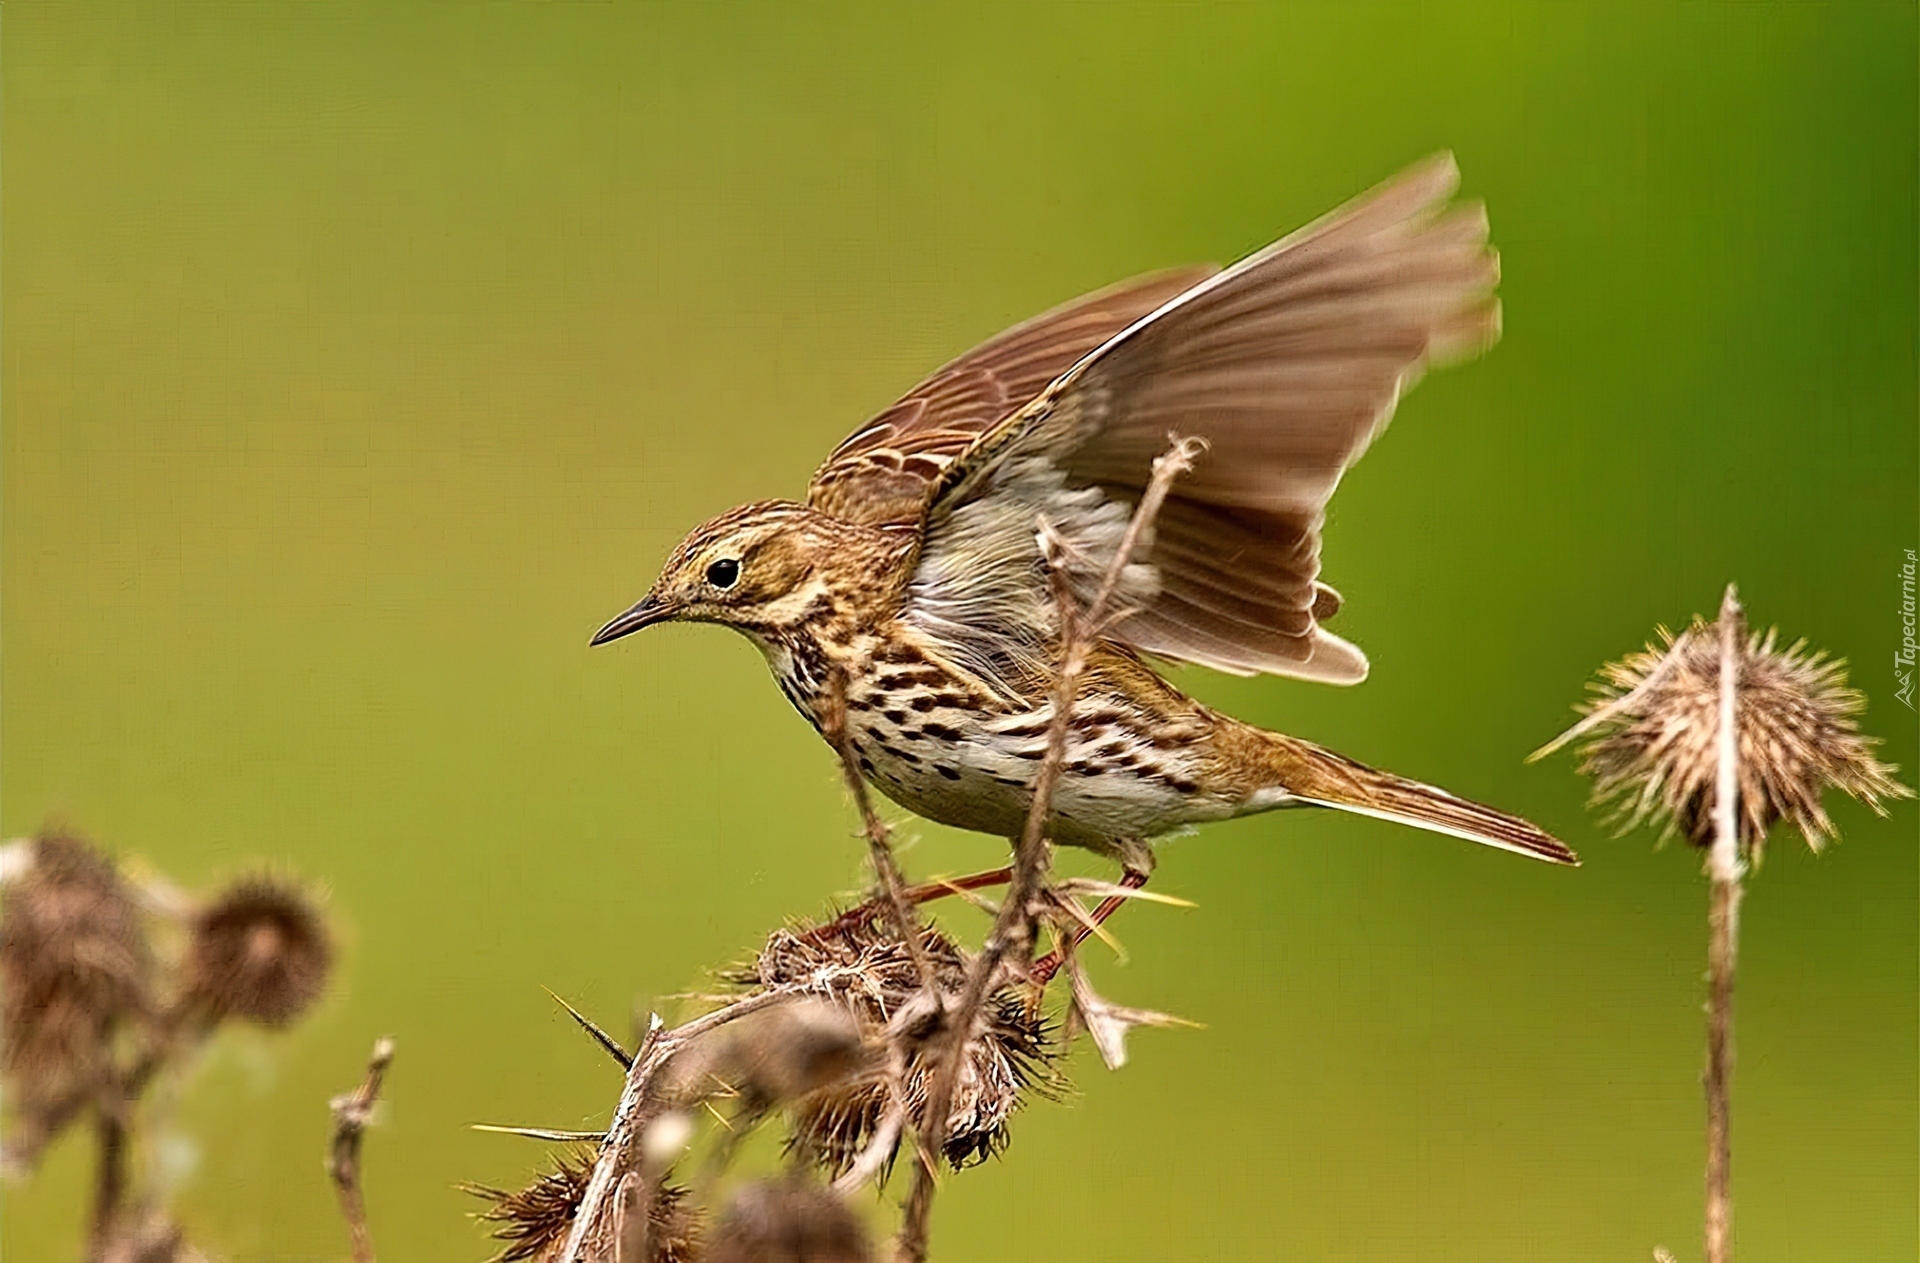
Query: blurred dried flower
534,1220
75,965
1657,716
784,1053
789,1221
260,952
859,965
155,1239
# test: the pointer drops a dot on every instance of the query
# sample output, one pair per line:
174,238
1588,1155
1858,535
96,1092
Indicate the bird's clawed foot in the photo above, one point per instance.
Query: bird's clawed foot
1133,878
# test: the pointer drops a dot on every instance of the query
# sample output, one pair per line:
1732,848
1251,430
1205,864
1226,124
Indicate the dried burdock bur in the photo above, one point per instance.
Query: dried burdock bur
1656,719
860,966
260,952
789,1221
533,1221
76,967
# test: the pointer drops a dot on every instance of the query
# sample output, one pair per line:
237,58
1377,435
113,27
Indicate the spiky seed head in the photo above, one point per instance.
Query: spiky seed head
76,965
860,965
1655,755
791,1221
533,1221
260,952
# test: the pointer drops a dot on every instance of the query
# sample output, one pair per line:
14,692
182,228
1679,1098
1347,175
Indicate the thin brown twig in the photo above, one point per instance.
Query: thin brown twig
110,1175
1012,935
1724,869
886,870
352,1113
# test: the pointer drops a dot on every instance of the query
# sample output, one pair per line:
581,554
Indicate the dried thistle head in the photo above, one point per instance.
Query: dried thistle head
860,965
260,952
75,965
534,1221
789,1221
1657,716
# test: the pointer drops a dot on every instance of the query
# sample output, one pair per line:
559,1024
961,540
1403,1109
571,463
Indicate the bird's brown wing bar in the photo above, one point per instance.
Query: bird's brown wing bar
886,472
1287,364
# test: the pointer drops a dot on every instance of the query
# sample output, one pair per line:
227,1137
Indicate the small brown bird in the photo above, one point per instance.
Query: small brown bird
915,567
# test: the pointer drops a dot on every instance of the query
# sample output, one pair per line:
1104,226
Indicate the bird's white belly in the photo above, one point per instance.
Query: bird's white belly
925,743
977,772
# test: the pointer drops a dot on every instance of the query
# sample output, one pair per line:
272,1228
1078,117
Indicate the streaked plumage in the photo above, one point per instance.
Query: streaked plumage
915,565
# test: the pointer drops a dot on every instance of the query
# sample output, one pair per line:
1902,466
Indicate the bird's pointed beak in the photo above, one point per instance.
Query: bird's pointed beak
648,612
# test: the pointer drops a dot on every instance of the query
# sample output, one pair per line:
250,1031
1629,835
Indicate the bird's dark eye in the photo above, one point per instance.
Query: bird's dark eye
723,574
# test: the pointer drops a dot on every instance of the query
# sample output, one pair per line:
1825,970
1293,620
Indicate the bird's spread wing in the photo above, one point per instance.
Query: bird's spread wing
886,472
1287,364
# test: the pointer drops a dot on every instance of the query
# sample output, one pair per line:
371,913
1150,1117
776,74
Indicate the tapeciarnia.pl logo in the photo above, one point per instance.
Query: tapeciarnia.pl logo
1903,659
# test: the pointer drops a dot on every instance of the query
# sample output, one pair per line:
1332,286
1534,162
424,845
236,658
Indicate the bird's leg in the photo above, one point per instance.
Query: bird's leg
925,892
1133,877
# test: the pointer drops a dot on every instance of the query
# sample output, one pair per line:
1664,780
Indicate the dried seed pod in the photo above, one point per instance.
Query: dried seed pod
789,1221
860,965
260,952
1657,718
76,966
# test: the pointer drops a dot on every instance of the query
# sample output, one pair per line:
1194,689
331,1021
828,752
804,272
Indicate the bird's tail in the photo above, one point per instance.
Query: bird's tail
1313,776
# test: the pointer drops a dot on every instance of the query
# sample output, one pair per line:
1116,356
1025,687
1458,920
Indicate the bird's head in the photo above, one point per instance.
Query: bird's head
763,569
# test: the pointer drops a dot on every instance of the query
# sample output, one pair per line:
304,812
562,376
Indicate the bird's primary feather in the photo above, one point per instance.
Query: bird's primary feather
1287,364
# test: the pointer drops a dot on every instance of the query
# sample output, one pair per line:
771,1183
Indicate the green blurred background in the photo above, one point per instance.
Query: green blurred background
360,360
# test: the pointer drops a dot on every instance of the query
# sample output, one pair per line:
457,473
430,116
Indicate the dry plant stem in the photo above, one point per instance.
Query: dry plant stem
1013,929
630,1221
879,841
110,1176
112,1104
351,1115
639,1105
1724,870
630,1118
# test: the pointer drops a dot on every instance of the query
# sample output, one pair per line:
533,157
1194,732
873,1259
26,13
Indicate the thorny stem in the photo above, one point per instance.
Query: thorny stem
638,1107
1013,929
629,1221
630,1118
352,1112
1724,870
886,870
